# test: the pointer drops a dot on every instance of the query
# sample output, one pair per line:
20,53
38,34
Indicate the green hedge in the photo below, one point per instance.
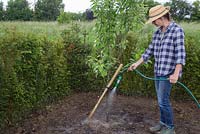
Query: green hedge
36,71
33,72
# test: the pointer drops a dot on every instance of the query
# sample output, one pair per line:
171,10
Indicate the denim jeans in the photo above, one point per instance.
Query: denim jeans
163,90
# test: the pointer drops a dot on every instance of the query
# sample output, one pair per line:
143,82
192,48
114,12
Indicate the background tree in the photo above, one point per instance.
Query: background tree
46,10
18,10
1,11
180,9
196,11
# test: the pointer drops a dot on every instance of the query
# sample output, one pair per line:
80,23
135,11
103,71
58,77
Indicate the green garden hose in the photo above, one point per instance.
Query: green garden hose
151,78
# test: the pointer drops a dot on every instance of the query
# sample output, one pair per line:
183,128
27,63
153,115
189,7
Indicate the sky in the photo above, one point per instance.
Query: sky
70,5
79,5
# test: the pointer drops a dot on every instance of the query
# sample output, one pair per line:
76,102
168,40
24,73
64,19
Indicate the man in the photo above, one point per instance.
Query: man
167,47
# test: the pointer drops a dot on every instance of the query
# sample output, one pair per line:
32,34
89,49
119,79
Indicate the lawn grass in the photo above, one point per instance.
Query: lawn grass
51,29
191,27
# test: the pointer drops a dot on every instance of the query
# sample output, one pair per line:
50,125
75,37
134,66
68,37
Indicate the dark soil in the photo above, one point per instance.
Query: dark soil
126,115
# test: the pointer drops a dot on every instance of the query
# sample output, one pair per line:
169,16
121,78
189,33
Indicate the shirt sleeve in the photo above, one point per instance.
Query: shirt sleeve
148,53
180,47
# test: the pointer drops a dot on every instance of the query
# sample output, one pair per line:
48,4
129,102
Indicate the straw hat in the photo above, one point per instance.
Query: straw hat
157,12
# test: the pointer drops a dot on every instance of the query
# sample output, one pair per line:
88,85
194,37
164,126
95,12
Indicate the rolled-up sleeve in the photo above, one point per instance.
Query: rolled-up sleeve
148,52
180,47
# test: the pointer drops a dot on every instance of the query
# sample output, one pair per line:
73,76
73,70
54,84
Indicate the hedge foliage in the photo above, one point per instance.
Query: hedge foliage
36,70
33,72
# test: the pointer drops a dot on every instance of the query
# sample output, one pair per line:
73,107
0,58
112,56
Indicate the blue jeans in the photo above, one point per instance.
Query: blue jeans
163,90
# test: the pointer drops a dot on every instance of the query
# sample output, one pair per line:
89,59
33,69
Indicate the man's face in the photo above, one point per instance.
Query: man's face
158,22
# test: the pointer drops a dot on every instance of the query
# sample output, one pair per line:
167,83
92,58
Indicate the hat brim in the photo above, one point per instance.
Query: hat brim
157,17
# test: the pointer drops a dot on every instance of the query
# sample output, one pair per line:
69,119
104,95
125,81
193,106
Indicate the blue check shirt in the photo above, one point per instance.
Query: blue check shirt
168,50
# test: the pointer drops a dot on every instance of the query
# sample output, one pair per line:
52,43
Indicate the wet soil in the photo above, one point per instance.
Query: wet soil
125,115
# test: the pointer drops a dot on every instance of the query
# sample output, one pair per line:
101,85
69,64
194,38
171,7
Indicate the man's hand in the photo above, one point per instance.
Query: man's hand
173,78
135,65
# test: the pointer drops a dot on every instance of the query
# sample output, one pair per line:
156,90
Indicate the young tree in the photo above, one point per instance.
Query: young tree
48,10
18,10
149,3
115,18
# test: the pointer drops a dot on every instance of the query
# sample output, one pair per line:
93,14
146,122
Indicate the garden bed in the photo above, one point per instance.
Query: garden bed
126,115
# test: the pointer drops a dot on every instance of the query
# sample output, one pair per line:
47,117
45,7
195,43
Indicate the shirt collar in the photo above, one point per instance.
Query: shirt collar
168,27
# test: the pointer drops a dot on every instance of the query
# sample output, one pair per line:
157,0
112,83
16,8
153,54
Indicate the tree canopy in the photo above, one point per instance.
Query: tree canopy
48,9
18,10
180,9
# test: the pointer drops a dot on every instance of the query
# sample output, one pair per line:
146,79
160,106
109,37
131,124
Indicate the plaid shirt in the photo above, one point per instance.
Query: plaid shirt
167,51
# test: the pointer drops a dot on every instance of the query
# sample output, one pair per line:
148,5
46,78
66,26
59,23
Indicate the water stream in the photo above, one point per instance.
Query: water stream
101,117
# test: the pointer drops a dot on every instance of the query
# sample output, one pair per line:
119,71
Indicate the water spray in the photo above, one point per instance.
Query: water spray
111,96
